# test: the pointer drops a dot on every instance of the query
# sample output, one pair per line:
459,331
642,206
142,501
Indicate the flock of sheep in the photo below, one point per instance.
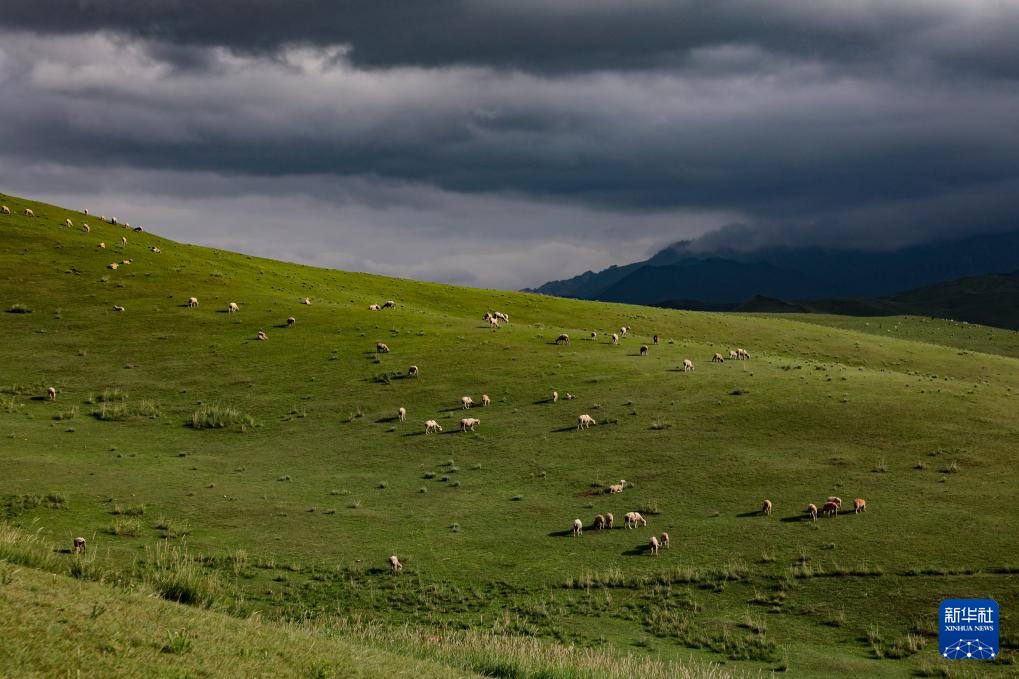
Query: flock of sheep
830,507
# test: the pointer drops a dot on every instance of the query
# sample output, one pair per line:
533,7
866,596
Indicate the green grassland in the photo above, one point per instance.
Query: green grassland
293,508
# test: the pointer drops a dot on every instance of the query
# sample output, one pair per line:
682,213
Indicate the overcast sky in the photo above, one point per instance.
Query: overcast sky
503,143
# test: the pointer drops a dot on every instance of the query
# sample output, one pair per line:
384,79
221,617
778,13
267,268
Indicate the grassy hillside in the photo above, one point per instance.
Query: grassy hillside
294,511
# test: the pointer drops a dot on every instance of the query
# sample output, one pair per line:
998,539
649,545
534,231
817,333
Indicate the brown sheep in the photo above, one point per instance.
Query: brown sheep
654,340
79,545
664,540
812,511
829,509
412,371
859,505
609,520
643,350
599,522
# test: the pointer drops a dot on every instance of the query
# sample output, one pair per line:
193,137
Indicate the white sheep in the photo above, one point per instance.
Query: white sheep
599,522
232,308
617,487
466,402
85,211
156,250
102,244
488,316
585,421
394,564
653,544
79,545
69,223
374,307
687,365
501,316
594,335
261,336
381,348
432,426
402,414
615,338
412,371
51,393
766,508
291,322
742,354
485,400
812,511
562,339
633,519
123,240
469,423
665,540
578,527
569,396
609,520
125,261
113,265
493,322
390,304
192,302
734,355
717,358
5,210
306,300
137,229
117,307
555,397
623,330
113,220
29,212
643,350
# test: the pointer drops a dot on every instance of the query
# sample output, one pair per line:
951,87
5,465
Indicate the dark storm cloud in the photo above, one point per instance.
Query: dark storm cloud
607,127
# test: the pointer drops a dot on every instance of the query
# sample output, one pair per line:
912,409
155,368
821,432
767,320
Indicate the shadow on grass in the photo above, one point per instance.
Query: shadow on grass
796,519
568,533
748,514
384,420
641,550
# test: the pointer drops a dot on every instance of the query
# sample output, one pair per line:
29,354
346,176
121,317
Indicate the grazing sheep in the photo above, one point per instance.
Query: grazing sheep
381,348
485,400
687,365
733,355
113,220
432,426
51,393
117,307
632,519
830,509
123,240
742,354
766,508
653,544
390,304
102,245
374,307
585,421
412,371
79,545
665,540
469,423
156,250
69,223
493,322
643,350
261,336
466,402
125,261
615,338
623,330
812,510
599,522
617,487
488,316
717,358
5,210
85,211
578,527
569,396
500,316
137,229
654,340
86,228
113,265
837,500
594,335
29,212
192,302
562,339
609,520
232,308
306,300
402,414
859,505
555,397
394,564
291,322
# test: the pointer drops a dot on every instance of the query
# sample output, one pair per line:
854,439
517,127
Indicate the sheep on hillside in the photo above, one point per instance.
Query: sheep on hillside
615,338
643,350
402,414
29,212
113,265
578,527
394,564
232,308
261,336
609,520
5,210
555,397
654,340
51,393
562,339
486,400
374,307
594,335
192,302
617,487
389,304
665,540
79,545
812,511
859,505
633,519
412,371
733,354
687,365
466,402
829,509
306,300
86,228
102,244
117,307
766,508
653,544
469,423
717,358
599,522
381,348
432,426
69,223
291,322
585,421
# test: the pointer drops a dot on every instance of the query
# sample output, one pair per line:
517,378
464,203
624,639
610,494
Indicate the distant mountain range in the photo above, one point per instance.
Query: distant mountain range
821,280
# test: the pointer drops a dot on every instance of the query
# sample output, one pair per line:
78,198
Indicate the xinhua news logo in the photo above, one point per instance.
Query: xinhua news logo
969,629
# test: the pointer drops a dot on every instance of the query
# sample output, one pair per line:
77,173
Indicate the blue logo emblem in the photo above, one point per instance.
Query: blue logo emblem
969,629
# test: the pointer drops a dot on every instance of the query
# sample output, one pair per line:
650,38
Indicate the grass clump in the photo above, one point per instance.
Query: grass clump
19,309
220,417
115,412
128,510
173,529
173,573
126,528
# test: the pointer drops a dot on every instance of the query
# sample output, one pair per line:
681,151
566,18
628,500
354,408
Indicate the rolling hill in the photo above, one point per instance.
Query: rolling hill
272,479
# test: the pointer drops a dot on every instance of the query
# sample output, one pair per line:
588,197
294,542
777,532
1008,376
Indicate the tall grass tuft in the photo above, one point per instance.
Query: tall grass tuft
177,576
220,417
